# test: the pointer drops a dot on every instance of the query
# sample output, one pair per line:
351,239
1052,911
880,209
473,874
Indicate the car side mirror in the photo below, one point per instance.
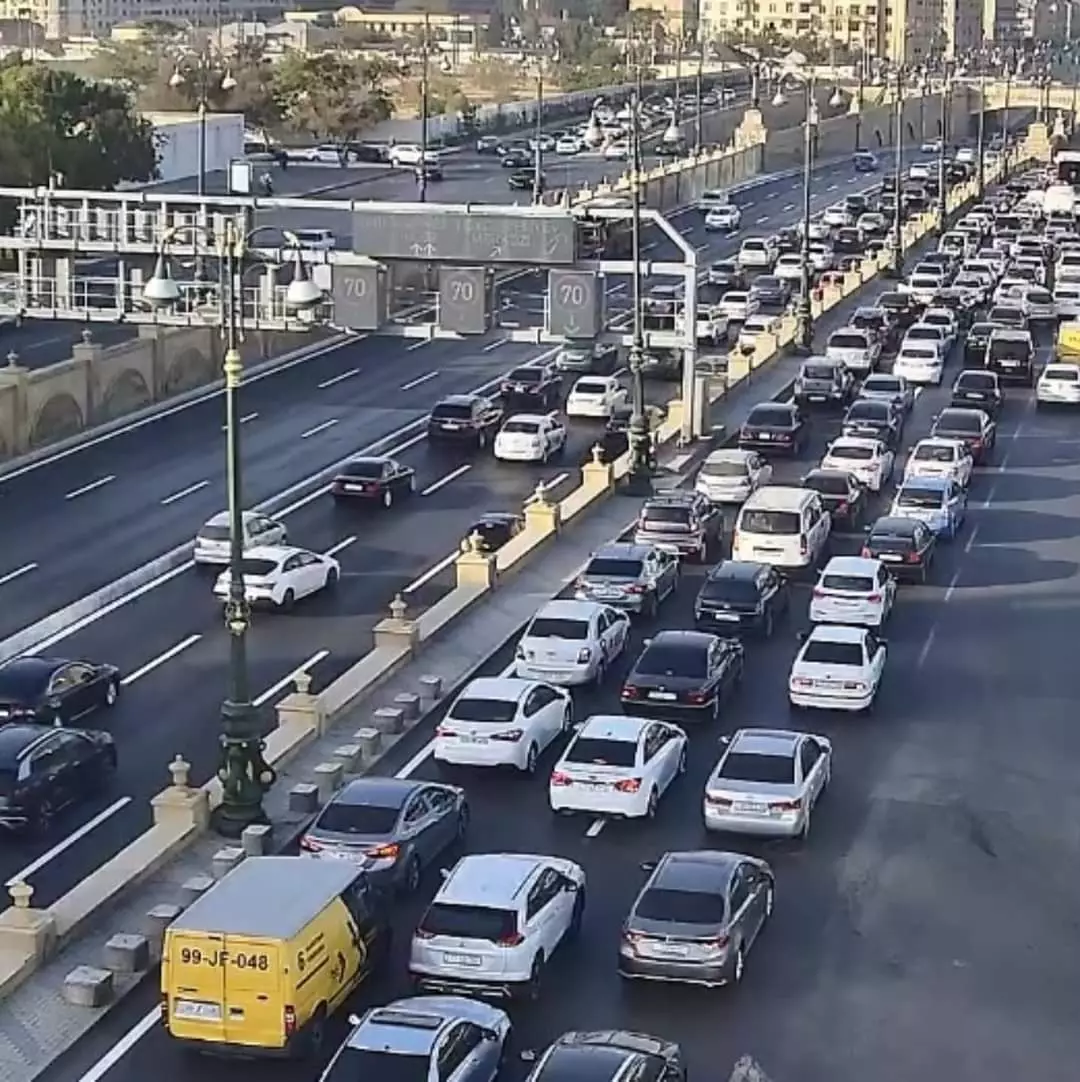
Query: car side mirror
354,1019
490,1035
725,739
444,874
648,866
802,636
528,1055
646,642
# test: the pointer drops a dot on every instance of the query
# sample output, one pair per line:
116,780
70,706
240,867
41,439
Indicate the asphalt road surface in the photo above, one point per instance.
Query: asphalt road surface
170,641
927,929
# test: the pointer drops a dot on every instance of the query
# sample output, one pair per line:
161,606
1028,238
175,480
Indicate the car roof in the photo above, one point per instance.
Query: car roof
222,518
743,570
894,525
851,565
532,418
30,668
377,792
941,483
855,441
407,1026
16,737
277,553
765,742
623,550
488,879
836,633
563,608
699,871
458,400
613,727
503,688
730,454
682,638
587,1062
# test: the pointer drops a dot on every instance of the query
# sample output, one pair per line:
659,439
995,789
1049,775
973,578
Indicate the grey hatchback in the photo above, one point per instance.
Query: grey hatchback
630,576
392,827
696,918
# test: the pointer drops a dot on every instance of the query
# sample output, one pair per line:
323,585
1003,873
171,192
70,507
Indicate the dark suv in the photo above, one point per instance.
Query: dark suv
465,418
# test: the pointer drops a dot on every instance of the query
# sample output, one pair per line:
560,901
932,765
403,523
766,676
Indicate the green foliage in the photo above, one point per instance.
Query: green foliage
54,122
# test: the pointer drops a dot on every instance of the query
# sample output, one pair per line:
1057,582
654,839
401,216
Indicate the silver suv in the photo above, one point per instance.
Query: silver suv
629,576
682,522
495,923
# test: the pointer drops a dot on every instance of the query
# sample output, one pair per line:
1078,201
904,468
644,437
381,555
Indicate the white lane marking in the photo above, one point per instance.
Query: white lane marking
66,843
927,646
557,480
494,345
99,483
339,378
160,660
648,247
430,573
951,588
244,420
453,475
123,1046
318,428
614,290
184,492
595,827
17,573
763,218
789,206
285,681
831,188
419,344
773,195
341,546
972,537
418,381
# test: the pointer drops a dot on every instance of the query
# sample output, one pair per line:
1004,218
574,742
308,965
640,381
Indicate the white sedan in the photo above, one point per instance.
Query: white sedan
732,475
836,216
571,642
280,575
752,328
868,460
502,721
530,437
596,397
920,362
838,667
618,151
618,766
789,267
724,219
1059,385
569,145
940,457
853,590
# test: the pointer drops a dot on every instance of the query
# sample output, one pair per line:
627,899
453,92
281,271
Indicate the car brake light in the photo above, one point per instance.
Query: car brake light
165,1009
510,736
290,1021
874,599
514,939
559,778
912,557
584,655
866,553
309,845
841,507
803,682
629,691
442,730
718,801
635,588
697,697
628,785
818,592
785,805
384,852
804,547
854,685
719,943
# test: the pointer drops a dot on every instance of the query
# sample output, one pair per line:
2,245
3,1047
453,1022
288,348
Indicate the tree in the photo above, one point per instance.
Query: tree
53,122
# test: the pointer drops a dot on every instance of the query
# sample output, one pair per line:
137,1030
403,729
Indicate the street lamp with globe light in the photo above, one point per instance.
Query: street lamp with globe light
243,771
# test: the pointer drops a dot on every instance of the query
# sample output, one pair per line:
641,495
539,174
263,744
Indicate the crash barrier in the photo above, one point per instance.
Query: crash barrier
181,813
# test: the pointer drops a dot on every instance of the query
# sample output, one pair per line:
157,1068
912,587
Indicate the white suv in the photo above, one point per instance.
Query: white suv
495,923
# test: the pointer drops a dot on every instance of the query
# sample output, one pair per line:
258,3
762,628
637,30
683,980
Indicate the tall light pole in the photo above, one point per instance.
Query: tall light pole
699,93
243,771
804,317
539,60
425,52
861,89
1008,96
200,71
896,268
943,124
980,138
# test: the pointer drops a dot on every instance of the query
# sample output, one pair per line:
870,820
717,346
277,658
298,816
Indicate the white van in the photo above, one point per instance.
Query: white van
757,253
782,526
712,199
1067,299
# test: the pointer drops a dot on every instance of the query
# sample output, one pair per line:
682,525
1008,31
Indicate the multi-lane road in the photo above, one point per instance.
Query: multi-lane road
927,928
165,480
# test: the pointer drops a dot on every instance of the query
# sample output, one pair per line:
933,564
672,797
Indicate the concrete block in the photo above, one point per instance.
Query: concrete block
256,839
158,919
304,799
430,688
226,859
194,888
127,953
328,780
369,741
88,986
349,757
389,720
409,705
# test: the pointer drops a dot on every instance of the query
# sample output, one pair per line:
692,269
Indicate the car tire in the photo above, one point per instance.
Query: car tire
112,693
536,978
654,803
316,1033
739,966
388,498
43,817
532,758
577,917
769,624
649,609
461,830
288,599
410,882
412,484
481,441
332,577
804,834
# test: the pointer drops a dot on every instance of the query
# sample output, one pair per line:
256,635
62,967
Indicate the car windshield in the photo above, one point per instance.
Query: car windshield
467,922
924,498
848,584
851,451
665,513
258,568
494,711
599,751
819,371
730,589
847,341
957,421
723,469
526,375
364,468
681,906
610,567
551,627
669,659
823,652
768,769
341,818
769,417
363,1063
452,412
769,522
524,428
934,452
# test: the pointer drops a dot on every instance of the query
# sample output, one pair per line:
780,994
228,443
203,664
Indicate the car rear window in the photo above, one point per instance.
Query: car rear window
977,381
819,371
526,375
831,484
769,417
663,659
768,769
469,922
258,568
609,567
495,711
590,386
522,428
850,584
819,652
769,522
869,411
927,498
340,818
1005,349
1063,375
742,590
214,533
723,469
934,453
550,627
955,421
666,514
847,341
452,412
365,470
600,751
681,906
852,452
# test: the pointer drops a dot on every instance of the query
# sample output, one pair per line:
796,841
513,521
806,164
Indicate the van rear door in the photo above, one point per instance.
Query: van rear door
254,1003
193,982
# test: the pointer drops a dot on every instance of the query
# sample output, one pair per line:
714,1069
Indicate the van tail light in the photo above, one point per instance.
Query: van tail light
635,588
841,508
309,845
423,933
628,785
866,553
717,801
560,779
874,599
804,546
384,852
785,805
442,730
629,691
697,698
510,736
290,1021
165,1010
912,557
818,592
514,939
584,656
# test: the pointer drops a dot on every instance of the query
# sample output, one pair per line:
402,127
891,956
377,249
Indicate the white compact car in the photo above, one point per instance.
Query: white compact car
619,151
946,320
821,256
618,766
753,327
738,304
724,219
789,267
1039,304
569,145
920,363
853,590
869,461
939,457
279,575
597,397
530,437
837,216
1059,385
410,154
838,667
571,642
757,253
731,475
212,542
502,721
495,923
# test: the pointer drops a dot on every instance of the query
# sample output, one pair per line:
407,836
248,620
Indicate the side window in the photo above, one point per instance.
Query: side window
809,754
456,1048
872,645
418,808
537,700
652,742
292,563
439,799
543,890
739,892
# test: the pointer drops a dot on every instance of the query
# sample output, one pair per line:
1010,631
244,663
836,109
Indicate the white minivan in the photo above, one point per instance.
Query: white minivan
783,526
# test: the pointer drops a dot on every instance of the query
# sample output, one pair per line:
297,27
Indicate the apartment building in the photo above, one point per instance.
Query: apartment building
680,17
1001,22
95,18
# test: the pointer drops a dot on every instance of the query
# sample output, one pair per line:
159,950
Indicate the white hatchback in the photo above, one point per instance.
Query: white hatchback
732,475
1059,385
940,457
789,267
530,437
571,642
502,721
596,397
838,667
853,590
869,461
618,766
279,575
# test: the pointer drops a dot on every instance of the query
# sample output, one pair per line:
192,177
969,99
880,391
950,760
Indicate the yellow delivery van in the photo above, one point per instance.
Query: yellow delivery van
257,964
1067,346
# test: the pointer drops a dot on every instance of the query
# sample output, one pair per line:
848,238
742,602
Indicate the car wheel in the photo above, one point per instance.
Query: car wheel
388,498
288,599
531,758
768,626
654,803
739,966
573,929
43,817
332,578
316,1032
412,484
804,834
650,607
112,692
410,884
682,762
481,440
462,828
536,978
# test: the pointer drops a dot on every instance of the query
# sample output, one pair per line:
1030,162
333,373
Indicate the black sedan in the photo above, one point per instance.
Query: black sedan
875,419
740,596
979,390
537,387
901,307
774,428
524,180
518,158
683,674
844,498
905,545
44,770
975,342
373,480
495,528
55,691
975,427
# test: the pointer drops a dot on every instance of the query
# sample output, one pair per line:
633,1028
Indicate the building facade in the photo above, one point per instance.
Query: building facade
679,17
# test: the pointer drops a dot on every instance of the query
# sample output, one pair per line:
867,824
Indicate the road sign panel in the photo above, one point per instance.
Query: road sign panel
465,300
475,235
575,307
359,295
